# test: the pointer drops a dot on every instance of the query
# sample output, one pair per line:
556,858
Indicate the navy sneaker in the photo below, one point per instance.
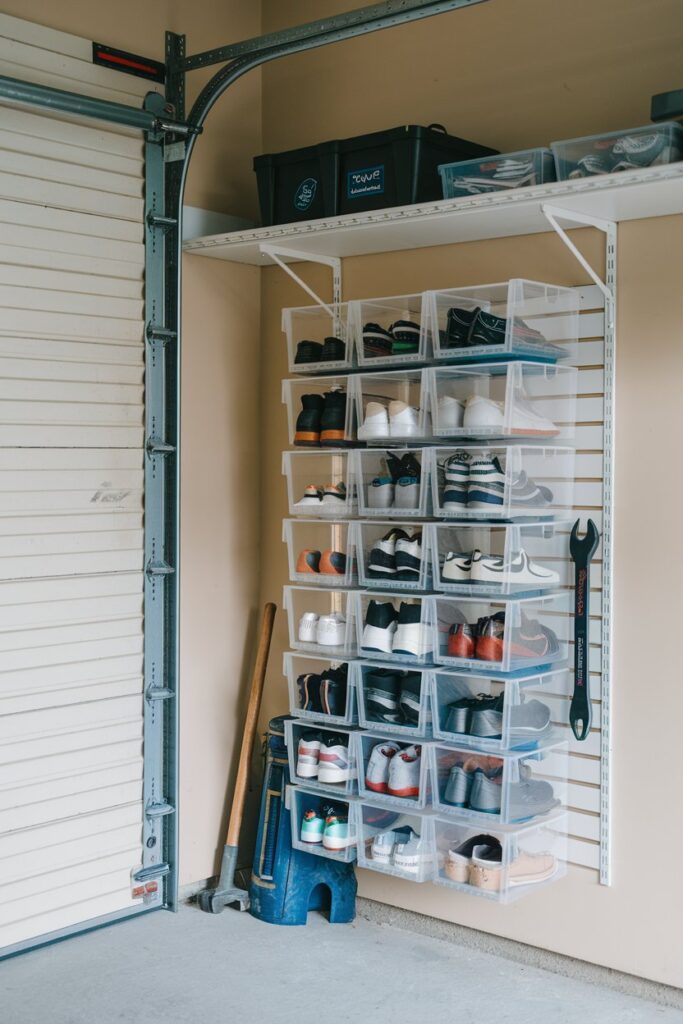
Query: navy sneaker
333,690
333,420
376,341
333,350
382,688
307,433
308,352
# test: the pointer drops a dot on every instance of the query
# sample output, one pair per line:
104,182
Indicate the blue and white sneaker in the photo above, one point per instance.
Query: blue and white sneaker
457,476
486,485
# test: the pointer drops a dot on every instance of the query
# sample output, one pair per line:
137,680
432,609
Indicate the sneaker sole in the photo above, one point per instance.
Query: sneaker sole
410,792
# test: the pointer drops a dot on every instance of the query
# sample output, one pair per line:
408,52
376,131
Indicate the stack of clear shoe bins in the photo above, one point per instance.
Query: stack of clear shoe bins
443,502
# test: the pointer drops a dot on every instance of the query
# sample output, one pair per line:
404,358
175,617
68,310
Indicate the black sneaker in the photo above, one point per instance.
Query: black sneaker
309,692
409,700
382,560
459,324
333,420
376,341
409,558
333,687
308,352
380,626
403,466
307,434
406,335
382,688
333,350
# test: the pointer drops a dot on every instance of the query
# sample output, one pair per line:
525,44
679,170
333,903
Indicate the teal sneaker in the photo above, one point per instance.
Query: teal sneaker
312,827
336,834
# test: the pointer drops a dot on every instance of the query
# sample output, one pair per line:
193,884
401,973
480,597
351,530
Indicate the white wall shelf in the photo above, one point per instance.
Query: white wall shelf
628,195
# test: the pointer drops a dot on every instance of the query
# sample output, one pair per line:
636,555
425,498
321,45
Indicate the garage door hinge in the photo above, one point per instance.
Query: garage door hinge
155,446
159,569
155,220
159,810
155,871
156,333
159,693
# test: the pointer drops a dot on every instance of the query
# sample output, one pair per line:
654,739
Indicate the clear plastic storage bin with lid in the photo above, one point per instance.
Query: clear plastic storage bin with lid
500,635
391,407
321,758
393,771
507,788
321,689
501,400
515,319
495,713
393,554
317,340
321,621
475,559
394,841
321,824
320,552
502,482
392,483
320,483
629,150
395,698
389,331
321,411
497,173
499,864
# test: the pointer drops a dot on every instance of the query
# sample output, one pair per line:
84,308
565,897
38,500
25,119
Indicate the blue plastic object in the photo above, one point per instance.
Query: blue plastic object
287,883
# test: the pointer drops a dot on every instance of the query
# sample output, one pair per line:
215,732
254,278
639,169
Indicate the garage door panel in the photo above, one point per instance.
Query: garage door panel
69,197
62,354
58,636
74,173
55,721
68,762
45,130
39,298
71,652
85,396
69,151
103,733
79,436
50,861
64,798
88,691
41,257
66,678
39,792
64,325
19,371
87,413
64,590
114,859
52,279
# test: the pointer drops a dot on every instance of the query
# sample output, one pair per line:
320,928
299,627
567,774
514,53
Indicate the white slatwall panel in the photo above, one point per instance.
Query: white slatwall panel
71,495
584,760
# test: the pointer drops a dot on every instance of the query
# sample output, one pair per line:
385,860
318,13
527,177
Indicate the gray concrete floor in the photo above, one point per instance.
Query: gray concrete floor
192,967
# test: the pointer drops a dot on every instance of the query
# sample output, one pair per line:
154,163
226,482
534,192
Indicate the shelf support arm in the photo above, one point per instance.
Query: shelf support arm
277,251
555,213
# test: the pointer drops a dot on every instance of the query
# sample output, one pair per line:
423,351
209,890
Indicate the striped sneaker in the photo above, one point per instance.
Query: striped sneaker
457,475
406,337
334,764
486,486
308,753
525,491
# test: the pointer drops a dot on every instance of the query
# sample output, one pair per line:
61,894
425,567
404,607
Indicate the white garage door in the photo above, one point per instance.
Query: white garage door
71,497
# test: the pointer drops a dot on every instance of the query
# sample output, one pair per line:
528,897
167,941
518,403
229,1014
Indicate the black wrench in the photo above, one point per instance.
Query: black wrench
582,552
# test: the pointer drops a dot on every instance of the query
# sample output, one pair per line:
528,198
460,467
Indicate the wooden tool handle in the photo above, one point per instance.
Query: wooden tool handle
250,724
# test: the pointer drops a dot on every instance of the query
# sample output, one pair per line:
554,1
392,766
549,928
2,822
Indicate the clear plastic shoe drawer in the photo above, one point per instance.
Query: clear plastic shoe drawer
494,713
321,689
321,621
515,635
394,698
393,554
629,150
392,407
395,627
319,483
395,842
320,553
322,825
506,789
497,173
500,400
476,559
392,483
511,319
321,411
389,332
502,482
392,771
316,341
321,757
500,864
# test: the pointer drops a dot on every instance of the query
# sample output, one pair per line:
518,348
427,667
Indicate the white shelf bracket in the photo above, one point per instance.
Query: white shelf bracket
608,288
276,252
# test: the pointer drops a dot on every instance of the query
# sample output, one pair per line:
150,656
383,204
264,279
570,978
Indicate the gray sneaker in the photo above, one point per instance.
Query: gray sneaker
530,718
485,795
458,786
530,798
487,718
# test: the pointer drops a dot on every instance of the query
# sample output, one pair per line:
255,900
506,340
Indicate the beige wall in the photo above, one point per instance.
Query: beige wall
219,528
634,925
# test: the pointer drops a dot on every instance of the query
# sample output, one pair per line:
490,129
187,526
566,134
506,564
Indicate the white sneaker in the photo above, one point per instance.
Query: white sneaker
450,413
491,569
382,848
412,635
404,773
331,630
482,412
456,567
308,625
407,493
311,498
404,420
308,755
381,492
378,638
525,420
411,853
379,762
376,422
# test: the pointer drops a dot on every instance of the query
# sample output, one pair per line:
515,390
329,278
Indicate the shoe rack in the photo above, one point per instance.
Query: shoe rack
531,389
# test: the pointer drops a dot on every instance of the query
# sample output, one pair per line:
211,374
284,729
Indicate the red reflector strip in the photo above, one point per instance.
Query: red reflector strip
126,62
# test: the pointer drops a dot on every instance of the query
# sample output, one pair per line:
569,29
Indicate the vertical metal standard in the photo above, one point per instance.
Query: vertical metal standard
160,566
608,288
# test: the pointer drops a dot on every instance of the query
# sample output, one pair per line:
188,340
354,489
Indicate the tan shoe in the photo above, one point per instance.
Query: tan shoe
526,869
